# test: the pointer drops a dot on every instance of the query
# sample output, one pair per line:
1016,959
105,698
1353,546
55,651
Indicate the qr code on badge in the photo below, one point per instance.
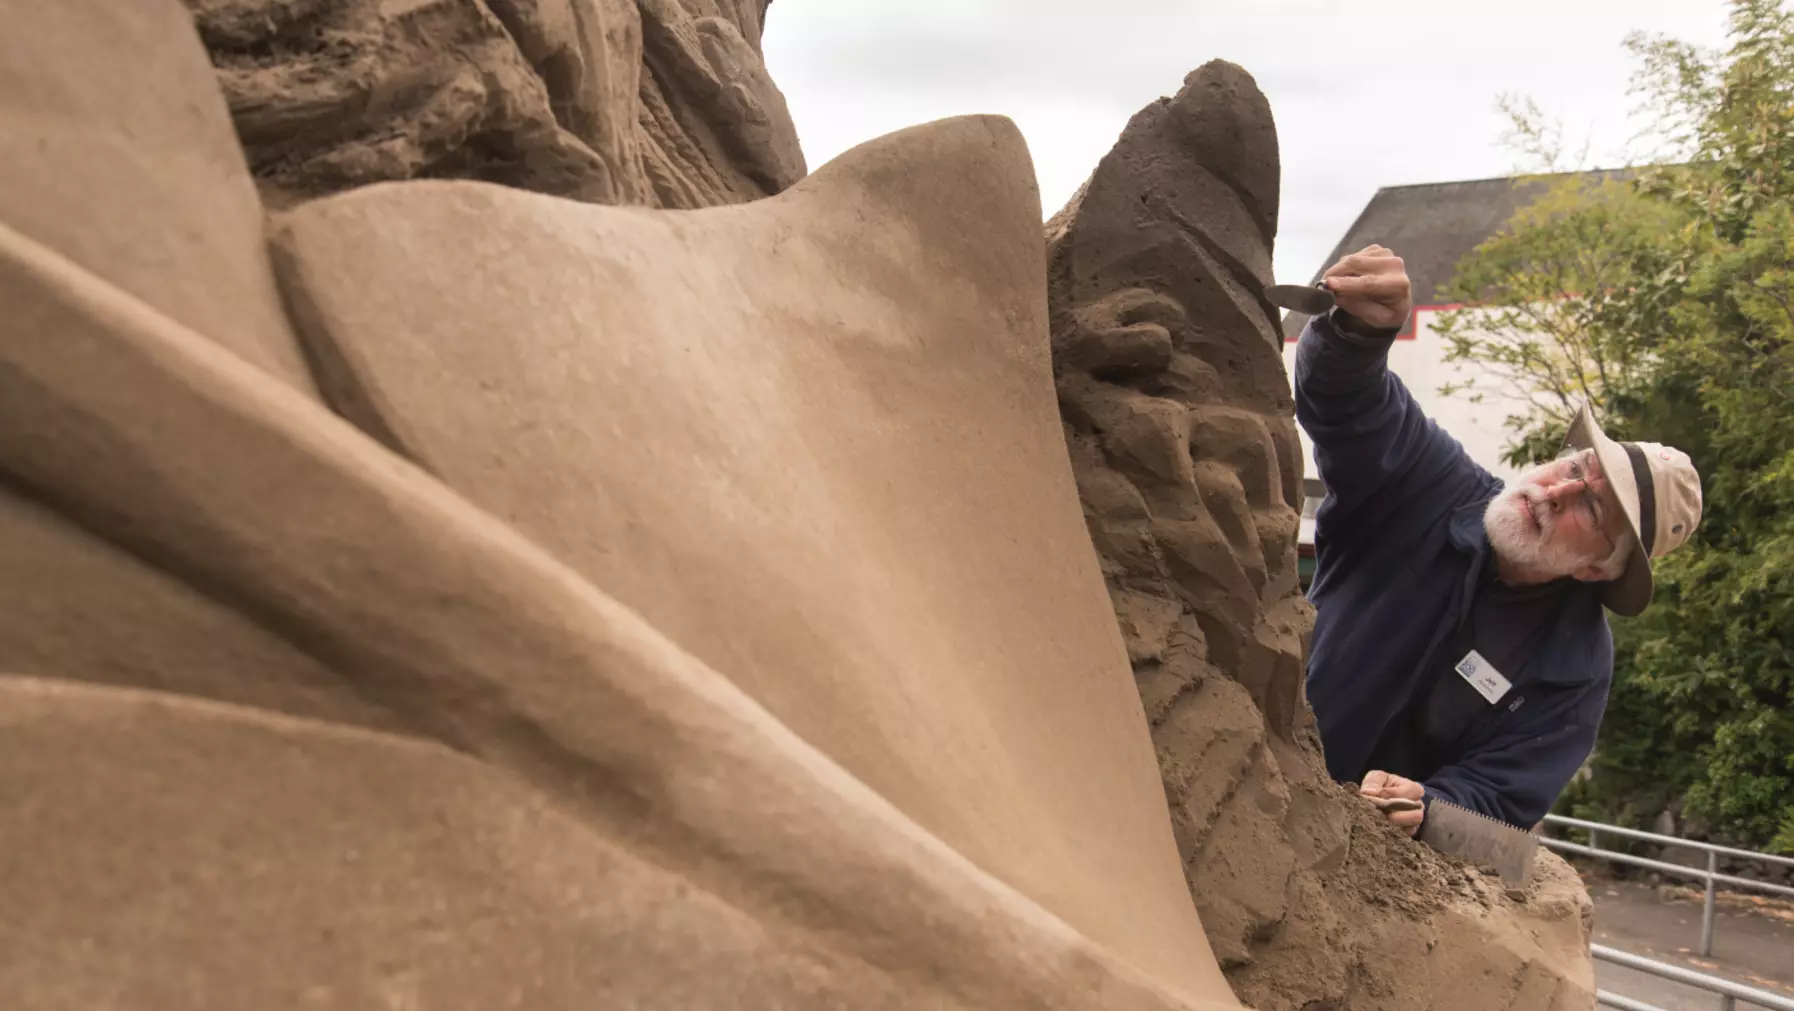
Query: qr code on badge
1467,666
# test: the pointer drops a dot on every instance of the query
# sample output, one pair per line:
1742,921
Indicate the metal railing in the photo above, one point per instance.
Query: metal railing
1711,875
1728,992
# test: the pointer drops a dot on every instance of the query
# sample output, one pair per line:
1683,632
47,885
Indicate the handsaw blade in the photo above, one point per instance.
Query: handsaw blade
1480,840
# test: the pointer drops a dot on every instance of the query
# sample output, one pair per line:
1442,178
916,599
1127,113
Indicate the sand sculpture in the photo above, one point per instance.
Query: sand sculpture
1181,427
442,594
661,103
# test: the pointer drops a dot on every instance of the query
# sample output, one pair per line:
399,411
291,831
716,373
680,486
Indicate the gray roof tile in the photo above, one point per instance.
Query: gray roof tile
1432,226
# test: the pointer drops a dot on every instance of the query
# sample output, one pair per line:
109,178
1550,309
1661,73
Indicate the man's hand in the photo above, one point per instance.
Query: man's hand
1372,285
1381,785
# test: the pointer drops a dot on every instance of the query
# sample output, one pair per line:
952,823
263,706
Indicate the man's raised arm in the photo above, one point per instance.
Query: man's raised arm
1370,436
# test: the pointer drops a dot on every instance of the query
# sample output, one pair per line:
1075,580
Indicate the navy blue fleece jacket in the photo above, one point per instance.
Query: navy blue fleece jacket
1401,555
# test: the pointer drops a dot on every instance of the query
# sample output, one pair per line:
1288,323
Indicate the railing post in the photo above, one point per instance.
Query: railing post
1728,1003
1707,917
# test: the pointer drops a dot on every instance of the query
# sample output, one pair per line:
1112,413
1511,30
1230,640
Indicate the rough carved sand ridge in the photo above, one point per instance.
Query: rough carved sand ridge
1179,418
493,601
663,103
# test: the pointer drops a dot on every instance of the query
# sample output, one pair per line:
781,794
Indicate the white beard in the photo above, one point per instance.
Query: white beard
1517,540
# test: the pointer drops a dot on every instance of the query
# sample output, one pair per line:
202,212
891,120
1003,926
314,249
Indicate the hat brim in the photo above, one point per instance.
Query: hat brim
1631,593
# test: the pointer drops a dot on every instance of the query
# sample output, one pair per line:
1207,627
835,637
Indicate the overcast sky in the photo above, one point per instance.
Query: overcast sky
1365,94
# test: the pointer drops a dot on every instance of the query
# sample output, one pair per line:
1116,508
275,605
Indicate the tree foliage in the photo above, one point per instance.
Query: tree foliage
1664,296
1547,301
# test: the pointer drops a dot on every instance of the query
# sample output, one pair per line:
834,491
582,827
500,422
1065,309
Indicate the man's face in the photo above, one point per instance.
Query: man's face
1558,519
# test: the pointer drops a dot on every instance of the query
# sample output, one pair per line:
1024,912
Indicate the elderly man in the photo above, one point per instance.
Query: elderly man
1460,649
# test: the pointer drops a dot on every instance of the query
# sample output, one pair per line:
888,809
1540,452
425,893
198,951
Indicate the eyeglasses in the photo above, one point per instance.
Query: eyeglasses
1580,465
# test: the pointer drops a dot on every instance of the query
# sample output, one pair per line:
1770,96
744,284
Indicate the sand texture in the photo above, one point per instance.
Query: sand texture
434,574
1181,427
660,103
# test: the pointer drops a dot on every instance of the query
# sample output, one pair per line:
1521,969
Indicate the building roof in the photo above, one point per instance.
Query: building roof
1432,226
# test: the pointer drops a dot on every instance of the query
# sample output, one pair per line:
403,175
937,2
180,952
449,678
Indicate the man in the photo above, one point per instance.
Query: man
1460,648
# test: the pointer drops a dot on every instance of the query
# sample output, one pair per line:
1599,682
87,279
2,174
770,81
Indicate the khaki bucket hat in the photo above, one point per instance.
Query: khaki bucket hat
1660,493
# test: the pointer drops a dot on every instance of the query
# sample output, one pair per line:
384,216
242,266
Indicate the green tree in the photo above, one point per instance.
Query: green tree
1547,299
1665,297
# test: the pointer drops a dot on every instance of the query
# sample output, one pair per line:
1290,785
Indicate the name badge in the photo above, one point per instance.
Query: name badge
1483,677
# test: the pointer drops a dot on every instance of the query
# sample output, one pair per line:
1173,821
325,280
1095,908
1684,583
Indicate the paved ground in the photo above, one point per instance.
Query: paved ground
1752,947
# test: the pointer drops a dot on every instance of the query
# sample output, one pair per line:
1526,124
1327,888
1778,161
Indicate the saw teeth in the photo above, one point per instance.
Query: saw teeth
1484,817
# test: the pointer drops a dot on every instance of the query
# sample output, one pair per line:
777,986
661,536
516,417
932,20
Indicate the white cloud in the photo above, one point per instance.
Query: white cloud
1365,95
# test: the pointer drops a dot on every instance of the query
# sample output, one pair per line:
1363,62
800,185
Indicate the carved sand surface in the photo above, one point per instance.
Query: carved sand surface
1181,427
422,585
664,103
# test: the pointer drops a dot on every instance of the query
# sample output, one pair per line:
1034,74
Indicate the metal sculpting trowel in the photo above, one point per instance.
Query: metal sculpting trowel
1471,837
1307,299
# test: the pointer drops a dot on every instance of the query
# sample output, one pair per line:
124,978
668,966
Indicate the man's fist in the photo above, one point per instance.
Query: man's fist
1372,285
1386,786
